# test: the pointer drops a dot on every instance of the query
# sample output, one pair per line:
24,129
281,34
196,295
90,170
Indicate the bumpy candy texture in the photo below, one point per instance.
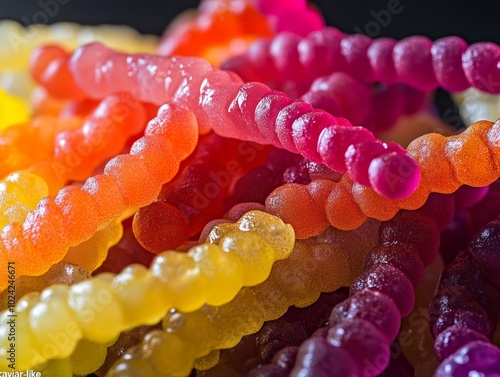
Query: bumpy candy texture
465,311
130,158
212,328
76,213
415,61
244,111
241,255
445,163
363,326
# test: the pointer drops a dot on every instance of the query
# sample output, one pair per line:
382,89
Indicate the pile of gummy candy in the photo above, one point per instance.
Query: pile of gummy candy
254,194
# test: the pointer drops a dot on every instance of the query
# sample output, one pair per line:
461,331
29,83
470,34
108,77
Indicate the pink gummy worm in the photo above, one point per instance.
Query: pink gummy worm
250,111
416,61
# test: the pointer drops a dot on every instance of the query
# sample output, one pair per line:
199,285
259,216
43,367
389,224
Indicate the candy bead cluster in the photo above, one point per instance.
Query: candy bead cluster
224,326
416,61
236,255
253,194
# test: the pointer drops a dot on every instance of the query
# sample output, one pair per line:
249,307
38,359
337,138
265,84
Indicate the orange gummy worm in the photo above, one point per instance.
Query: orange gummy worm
471,158
76,213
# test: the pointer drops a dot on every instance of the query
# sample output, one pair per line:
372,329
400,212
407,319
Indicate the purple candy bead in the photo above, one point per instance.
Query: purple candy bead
454,337
334,141
358,158
306,130
484,251
447,62
324,101
403,256
480,63
353,97
372,306
416,228
449,299
478,358
355,50
285,55
380,55
413,62
390,281
466,318
318,358
267,111
366,345
461,273
320,52
284,121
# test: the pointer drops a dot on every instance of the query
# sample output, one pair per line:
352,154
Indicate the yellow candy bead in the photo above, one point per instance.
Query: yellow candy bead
95,307
223,270
182,278
61,334
256,254
33,186
137,289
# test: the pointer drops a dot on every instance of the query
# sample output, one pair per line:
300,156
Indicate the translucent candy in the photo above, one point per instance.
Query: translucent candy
98,309
213,328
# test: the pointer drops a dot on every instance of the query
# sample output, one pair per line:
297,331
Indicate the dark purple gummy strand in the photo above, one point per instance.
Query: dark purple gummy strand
250,111
416,61
376,108
460,230
465,311
357,340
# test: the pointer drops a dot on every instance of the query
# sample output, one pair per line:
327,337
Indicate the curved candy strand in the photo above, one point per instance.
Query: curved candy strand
75,214
72,149
241,254
446,163
362,327
464,312
416,61
247,111
25,144
327,262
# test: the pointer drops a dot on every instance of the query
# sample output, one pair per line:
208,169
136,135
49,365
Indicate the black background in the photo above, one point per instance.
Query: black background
475,21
